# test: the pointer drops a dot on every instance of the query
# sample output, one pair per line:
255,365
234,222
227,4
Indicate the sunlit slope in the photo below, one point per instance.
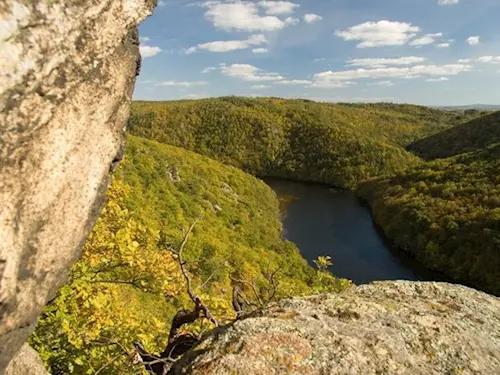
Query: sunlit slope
339,144
128,286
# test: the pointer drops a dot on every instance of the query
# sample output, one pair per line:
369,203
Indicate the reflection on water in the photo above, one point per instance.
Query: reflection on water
325,221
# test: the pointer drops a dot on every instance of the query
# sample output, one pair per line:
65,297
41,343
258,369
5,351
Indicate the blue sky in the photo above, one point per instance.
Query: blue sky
431,52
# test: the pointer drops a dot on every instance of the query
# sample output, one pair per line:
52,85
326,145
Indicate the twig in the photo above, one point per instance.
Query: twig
252,286
206,281
178,344
272,281
107,364
200,306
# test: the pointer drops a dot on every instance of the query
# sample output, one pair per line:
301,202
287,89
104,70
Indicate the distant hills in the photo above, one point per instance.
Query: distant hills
337,144
479,107
430,175
471,136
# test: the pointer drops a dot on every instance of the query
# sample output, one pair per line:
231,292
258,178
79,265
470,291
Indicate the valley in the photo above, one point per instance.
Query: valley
325,221
442,212
200,164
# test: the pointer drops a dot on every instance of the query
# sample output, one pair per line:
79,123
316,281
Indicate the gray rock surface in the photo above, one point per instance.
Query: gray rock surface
67,71
26,362
379,329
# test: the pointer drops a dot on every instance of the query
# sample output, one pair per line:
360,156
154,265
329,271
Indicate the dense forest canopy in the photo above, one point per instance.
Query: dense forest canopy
445,213
471,136
128,287
339,144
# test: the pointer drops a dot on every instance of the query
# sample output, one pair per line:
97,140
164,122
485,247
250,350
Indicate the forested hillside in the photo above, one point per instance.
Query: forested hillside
339,144
467,137
128,284
445,212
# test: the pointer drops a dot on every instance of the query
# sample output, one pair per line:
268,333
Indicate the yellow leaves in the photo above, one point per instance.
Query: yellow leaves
65,327
100,301
127,287
323,262
79,362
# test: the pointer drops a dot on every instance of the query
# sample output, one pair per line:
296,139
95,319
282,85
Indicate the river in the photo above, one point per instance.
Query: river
325,221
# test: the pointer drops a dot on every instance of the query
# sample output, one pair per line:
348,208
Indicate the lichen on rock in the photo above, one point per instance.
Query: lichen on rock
382,328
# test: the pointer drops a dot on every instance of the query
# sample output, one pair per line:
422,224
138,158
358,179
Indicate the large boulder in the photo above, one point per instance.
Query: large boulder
26,362
383,328
67,72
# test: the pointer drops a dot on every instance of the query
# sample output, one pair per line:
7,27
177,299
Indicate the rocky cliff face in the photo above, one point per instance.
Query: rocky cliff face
382,328
26,362
67,71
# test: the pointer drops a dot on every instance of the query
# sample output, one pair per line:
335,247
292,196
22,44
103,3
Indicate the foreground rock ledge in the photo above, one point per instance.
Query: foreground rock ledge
67,73
382,328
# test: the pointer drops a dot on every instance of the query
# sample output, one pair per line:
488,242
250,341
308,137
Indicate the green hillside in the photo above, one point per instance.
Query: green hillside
467,137
447,214
127,286
338,144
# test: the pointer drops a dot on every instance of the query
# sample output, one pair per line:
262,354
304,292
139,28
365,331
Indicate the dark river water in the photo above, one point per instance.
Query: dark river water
325,221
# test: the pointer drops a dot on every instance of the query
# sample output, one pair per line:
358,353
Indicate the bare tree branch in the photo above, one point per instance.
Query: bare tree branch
206,281
108,363
199,305
272,281
252,286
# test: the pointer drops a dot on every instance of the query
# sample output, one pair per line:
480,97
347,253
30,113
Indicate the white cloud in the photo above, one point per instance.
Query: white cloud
243,16
319,59
260,50
482,59
229,45
473,40
249,73
162,3
312,18
350,99
426,39
149,51
411,77
383,62
489,59
144,39
293,82
440,79
382,33
208,69
260,87
325,83
182,83
292,21
383,83
196,96
332,79
443,45
278,7
448,2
